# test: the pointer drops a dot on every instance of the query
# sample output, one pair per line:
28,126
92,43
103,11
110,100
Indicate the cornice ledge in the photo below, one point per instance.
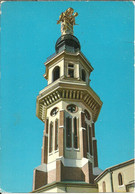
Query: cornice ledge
66,183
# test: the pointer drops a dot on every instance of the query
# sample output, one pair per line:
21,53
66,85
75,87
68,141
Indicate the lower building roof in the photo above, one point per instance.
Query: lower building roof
112,168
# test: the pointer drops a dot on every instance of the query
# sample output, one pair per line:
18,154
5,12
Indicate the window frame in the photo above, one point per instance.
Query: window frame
54,77
75,133
72,133
68,132
76,108
87,114
71,67
104,186
56,134
51,137
120,179
83,74
51,113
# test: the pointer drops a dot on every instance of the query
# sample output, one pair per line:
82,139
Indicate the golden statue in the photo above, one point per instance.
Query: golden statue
67,20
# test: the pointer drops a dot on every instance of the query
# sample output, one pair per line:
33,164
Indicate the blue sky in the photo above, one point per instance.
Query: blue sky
28,36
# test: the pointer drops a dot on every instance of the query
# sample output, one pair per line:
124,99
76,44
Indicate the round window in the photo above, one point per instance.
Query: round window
54,111
72,108
87,115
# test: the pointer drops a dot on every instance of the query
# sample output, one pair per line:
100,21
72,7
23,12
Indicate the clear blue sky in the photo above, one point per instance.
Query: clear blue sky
28,36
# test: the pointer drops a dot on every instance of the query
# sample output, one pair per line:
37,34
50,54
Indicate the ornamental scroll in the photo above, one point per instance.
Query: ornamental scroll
67,20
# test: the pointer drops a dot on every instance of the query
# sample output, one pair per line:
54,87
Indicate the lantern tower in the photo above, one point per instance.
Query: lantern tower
69,108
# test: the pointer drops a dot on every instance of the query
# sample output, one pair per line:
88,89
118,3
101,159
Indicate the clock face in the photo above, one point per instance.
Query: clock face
87,115
72,108
54,111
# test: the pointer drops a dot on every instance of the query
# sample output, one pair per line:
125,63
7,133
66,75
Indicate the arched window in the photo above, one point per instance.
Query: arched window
87,115
51,138
87,137
56,73
68,132
120,180
83,75
104,186
75,124
56,134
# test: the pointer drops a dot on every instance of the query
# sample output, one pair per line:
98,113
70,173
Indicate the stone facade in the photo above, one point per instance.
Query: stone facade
118,178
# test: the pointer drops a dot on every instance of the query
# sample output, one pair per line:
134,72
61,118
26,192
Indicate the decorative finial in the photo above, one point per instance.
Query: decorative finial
67,20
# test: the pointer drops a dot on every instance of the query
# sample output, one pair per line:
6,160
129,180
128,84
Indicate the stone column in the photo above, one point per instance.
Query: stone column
94,145
91,177
95,153
58,171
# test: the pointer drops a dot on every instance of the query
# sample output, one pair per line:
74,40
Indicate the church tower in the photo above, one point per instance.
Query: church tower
69,109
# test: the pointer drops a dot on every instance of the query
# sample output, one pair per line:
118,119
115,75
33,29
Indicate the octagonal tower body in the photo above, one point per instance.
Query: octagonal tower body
69,108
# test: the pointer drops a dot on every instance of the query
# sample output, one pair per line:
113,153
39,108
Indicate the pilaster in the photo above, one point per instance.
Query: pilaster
45,144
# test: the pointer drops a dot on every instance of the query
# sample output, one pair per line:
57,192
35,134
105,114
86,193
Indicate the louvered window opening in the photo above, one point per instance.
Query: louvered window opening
56,134
72,133
51,138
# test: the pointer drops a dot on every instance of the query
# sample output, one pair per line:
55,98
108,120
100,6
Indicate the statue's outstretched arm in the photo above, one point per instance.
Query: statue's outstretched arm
60,18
